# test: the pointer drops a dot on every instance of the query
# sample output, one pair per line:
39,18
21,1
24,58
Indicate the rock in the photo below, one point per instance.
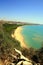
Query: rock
24,63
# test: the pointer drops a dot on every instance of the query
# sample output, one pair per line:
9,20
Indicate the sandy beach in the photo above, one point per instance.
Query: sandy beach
18,36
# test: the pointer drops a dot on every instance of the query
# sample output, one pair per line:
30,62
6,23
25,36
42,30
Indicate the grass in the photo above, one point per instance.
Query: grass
7,43
8,29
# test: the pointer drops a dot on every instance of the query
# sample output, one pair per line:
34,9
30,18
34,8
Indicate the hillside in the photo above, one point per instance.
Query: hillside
5,34
7,44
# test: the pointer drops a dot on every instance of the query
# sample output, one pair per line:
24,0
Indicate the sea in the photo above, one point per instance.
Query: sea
33,36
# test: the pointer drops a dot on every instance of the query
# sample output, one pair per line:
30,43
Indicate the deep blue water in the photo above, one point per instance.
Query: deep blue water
33,35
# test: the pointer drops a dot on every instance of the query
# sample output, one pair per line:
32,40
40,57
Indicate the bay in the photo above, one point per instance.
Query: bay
33,35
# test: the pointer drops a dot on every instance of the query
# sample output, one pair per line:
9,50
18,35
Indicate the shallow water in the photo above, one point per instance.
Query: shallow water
33,35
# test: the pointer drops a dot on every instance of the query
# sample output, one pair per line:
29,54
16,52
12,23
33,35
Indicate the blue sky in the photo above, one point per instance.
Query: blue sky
22,10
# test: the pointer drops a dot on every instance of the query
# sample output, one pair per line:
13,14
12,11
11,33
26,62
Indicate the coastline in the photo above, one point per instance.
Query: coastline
18,36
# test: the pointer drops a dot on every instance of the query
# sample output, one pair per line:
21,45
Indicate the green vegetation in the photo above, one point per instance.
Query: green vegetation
7,44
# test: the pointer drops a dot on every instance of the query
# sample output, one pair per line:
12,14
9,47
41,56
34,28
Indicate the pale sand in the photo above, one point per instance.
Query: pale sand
18,36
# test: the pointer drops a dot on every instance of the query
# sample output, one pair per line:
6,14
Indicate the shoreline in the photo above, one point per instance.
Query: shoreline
18,36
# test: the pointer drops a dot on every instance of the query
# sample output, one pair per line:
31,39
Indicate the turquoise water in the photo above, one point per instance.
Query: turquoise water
33,35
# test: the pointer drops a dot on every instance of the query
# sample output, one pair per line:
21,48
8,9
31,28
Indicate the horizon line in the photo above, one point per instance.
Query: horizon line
19,21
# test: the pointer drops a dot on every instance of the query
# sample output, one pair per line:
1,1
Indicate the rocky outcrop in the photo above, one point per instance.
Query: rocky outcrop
19,59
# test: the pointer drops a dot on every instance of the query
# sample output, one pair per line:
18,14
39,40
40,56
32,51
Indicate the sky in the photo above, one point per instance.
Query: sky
22,10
